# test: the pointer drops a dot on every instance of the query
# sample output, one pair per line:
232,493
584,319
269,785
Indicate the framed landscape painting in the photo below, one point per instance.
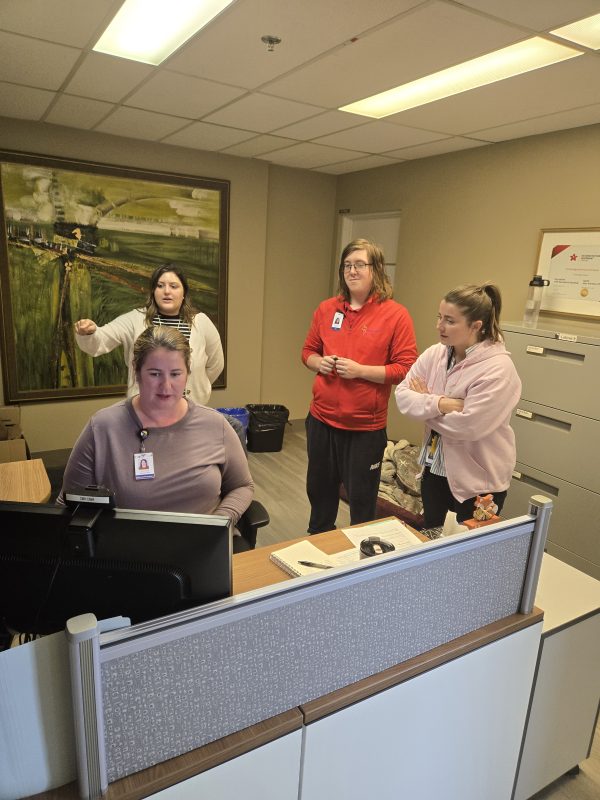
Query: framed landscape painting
81,240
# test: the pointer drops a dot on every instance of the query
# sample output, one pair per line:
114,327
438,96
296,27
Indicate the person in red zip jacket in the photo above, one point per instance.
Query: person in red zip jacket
360,343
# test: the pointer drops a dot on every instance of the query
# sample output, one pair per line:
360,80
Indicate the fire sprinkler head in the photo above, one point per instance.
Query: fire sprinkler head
270,41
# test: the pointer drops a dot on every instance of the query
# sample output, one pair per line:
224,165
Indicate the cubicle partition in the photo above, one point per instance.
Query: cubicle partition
153,691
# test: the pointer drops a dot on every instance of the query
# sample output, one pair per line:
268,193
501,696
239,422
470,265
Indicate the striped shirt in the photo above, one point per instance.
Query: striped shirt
174,322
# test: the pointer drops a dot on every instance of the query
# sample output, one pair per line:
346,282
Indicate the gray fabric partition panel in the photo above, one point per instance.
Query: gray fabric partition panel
170,698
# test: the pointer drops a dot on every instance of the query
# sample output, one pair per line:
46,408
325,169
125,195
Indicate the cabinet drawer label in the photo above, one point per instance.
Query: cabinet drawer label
521,412
516,475
531,348
566,337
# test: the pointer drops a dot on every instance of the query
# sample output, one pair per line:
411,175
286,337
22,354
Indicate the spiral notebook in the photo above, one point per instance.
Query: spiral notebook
288,559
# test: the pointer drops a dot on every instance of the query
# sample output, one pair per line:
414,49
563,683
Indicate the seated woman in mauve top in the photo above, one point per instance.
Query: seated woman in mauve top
158,450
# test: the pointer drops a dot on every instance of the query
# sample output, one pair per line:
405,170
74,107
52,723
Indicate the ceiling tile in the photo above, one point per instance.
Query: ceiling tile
378,137
203,136
64,21
181,95
321,125
259,145
258,112
308,155
428,39
573,118
22,102
448,145
77,112
35,63
231,50
139,124
103,77
359,164
555,88
539,15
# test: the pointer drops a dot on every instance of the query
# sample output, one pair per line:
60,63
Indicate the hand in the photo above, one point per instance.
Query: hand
448,404
327,365
418,385
85,327
348,369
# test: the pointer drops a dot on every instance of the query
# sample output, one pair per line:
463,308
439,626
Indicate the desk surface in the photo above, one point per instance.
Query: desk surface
24,481
565,594
253,569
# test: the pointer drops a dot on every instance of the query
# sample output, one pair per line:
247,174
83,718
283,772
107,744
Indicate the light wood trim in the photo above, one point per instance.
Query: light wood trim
161,776
24,481
348,695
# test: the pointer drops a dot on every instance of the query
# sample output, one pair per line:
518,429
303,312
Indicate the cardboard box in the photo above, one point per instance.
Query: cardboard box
13,450
10,418
13,446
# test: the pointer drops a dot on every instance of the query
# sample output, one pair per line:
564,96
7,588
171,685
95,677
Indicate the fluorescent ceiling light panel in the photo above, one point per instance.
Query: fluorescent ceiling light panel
514,60
150,30
585,32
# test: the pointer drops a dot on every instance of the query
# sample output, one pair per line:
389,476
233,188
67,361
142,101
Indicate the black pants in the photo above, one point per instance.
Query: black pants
438,500
338,456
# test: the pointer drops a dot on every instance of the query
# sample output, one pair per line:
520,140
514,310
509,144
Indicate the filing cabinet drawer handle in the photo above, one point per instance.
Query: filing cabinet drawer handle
551,422
559,355
544,488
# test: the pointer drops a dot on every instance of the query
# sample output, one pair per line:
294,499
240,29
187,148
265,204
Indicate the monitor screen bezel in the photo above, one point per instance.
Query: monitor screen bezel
199,562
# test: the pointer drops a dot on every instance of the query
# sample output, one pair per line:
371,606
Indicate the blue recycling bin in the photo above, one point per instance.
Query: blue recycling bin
241,414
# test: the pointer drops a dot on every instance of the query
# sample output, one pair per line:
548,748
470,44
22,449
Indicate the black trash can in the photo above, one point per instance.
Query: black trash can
265,427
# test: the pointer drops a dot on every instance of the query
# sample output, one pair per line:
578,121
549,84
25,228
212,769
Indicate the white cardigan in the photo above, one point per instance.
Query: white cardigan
207,352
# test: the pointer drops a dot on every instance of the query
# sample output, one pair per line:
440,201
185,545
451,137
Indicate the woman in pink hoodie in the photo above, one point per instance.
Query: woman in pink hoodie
464,390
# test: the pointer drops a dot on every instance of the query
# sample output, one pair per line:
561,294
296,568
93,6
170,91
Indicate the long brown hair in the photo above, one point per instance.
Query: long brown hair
187,311
381,288
480,303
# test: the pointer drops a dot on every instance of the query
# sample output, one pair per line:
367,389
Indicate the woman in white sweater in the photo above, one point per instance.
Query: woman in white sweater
168,304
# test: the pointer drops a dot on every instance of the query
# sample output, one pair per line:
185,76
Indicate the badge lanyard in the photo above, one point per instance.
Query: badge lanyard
143,462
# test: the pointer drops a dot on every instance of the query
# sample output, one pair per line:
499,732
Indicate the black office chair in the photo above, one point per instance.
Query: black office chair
256,515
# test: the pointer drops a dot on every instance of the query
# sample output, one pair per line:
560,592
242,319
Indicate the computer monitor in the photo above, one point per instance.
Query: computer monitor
138,564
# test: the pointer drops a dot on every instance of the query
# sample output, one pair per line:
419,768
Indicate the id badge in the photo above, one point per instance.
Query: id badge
143,466
338,318
431,448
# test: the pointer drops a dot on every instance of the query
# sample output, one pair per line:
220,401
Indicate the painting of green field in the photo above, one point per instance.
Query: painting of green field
83,244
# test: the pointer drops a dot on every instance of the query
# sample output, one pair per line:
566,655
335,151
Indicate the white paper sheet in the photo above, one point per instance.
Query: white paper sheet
392,530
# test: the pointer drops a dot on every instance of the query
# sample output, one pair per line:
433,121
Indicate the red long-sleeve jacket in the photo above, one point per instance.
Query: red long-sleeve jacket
378,334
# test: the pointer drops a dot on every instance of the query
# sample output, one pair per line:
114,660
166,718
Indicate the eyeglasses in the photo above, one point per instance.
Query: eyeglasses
359,266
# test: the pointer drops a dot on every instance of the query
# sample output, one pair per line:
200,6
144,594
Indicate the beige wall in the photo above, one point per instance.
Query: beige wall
466,217
299,254
268,206
476,215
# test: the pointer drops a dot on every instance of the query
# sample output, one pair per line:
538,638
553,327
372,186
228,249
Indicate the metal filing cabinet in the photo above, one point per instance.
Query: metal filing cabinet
557,425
